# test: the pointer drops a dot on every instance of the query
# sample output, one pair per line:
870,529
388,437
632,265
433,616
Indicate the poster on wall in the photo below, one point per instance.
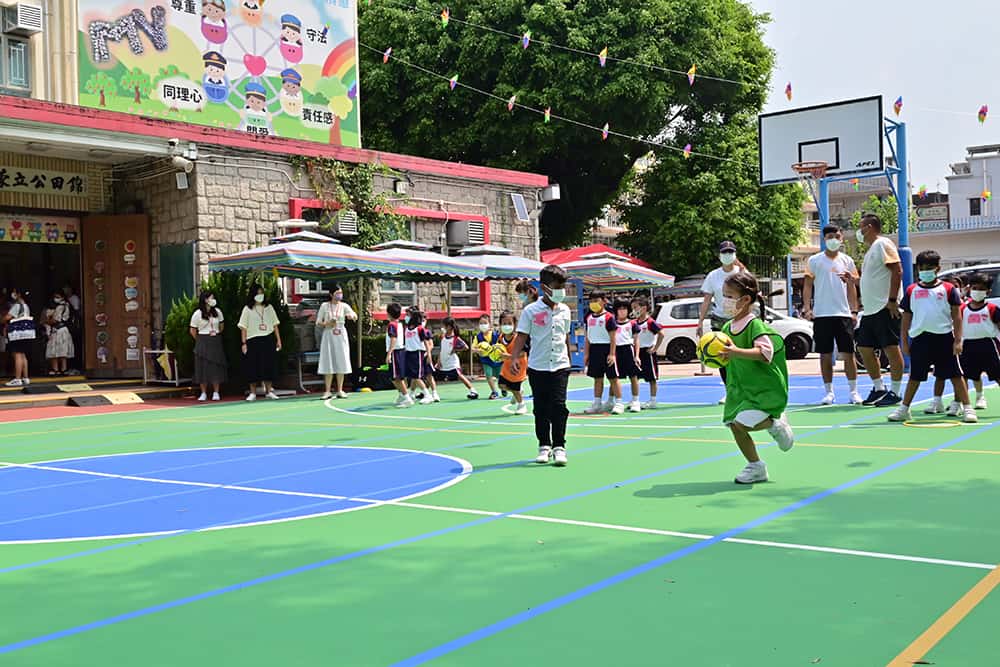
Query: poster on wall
285,68
39,229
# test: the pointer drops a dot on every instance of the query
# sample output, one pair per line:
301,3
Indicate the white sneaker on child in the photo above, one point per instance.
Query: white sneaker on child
650,404
752,473
559,456
595,408
901,414
618,409
856,398
634,406
521,409
434,397
472,395
782,433
252,396
981,403
935,408
216,397
970,416
341,394
955,409
407,402
427,400
271,395
829,399
544,454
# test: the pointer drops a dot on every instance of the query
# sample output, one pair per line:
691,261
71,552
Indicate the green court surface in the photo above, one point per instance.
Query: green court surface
873,543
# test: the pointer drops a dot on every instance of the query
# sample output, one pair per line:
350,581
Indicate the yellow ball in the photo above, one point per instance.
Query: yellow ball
709,347
497,352
483,347
366,390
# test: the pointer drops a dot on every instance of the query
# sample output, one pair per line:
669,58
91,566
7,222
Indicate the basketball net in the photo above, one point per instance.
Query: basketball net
809,173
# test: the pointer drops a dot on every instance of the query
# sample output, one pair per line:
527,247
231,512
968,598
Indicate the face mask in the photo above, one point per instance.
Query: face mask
338,296
833,245
259,298
523,298
978,294
729,305
507,329
860,236
407,319
558,295
211,303
727,258
58,299
928,275
596,307
484,327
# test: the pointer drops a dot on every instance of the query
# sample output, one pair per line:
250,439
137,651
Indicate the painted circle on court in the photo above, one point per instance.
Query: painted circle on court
185,490
936,424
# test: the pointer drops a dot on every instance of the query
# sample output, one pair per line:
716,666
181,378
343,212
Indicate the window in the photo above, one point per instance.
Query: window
15,71
465,293
686,311
400,291
975,206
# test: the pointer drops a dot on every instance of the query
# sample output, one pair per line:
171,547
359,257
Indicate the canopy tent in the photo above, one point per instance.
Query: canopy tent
309,260
562,257
499,263
417,263
304,236
610,273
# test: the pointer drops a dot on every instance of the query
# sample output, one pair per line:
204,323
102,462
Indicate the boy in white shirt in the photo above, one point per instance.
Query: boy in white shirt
546,322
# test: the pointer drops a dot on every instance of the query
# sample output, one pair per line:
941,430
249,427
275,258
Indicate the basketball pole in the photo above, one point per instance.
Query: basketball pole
902,202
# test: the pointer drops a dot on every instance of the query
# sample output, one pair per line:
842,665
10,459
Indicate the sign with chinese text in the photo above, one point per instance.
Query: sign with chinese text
932,217
285,68
39,229
41,182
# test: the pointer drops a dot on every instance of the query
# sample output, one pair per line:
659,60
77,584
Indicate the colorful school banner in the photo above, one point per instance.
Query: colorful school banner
39,229
285,68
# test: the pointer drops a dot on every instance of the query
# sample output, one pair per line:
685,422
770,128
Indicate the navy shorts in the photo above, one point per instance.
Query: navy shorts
397,364
597,361
625,362
650,371
452,375
416,366
937,350
981,356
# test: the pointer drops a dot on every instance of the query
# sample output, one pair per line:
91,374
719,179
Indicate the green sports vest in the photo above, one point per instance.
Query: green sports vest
756,385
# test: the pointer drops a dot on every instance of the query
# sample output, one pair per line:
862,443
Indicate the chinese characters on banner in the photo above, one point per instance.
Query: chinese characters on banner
39,229
42,182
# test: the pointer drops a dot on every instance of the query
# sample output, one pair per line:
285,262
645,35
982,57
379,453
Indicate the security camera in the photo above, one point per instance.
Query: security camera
173,142
182,163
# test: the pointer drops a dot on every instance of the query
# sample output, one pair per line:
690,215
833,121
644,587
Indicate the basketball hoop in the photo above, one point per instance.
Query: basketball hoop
809,173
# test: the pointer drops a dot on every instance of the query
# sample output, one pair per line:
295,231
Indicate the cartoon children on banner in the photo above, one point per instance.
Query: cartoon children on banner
291,93
215,82
291,38
213,21
251,11
256,117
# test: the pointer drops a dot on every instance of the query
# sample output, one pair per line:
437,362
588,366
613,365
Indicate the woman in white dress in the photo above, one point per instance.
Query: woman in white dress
334,348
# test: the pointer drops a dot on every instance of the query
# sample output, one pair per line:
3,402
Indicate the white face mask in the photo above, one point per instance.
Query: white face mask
58,299
558,295
259,298
211,303
727,258
860,236
833,245
507,329
484,327
729,305
978,294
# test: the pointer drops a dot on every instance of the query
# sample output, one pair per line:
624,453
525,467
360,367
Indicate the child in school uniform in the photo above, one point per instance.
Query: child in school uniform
395,353
932,336
597,354
980,337
449,365
756,376
625,355
650,337
936,406
418,357
546,323
491,369
510,380
429,366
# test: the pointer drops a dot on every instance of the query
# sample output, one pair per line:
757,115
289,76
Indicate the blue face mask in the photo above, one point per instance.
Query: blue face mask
928,275
523,298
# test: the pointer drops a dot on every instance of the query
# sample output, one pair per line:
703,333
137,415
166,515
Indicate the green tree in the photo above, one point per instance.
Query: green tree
406,110
138,82
334,91
687,206
101,84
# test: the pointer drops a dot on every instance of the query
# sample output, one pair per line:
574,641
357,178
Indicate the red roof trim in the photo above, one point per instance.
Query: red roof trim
560,256
66,115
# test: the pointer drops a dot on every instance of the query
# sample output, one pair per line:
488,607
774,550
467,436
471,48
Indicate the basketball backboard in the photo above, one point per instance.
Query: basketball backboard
847,135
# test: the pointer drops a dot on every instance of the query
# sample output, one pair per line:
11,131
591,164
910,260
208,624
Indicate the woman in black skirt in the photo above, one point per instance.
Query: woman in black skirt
261,342
209,356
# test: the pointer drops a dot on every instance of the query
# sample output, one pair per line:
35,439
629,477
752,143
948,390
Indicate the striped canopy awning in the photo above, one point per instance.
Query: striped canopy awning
309,260
500,263
427,266
613,274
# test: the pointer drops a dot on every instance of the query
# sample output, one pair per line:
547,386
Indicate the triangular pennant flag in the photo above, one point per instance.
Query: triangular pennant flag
602,57
687,151
452,82
604,132
983,112
445,15
897,106
691,72
385,56
788,91
526,39
511,102
548,114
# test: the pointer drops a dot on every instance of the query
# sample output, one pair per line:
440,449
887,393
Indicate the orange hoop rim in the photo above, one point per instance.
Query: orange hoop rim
814,169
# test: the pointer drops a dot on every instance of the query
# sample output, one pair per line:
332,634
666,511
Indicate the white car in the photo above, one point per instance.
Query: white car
991,271
680,320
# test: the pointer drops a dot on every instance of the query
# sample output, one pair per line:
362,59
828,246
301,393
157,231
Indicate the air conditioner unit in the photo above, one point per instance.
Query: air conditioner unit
22,19
463,233
345,223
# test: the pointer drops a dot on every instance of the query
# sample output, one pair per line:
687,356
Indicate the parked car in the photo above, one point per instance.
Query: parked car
991,270
680,320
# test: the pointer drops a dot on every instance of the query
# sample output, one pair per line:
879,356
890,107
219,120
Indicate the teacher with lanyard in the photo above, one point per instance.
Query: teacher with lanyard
261,342
711,288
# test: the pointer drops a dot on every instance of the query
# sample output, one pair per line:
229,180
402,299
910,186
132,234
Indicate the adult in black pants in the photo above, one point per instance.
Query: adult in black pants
261,342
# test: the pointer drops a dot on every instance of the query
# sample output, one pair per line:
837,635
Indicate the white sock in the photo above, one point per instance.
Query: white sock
878,385
938,400
896,386
852,385
828,386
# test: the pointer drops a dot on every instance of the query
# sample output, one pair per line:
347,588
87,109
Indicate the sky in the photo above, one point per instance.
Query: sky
942,57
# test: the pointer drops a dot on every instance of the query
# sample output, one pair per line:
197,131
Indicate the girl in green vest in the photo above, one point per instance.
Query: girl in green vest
756,378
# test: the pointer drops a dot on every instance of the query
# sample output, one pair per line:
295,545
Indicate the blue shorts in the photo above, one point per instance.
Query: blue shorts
397,364
416,368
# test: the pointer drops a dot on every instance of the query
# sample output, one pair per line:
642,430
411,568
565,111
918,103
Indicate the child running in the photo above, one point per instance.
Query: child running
980,337
597,354
449,365
932,336
395,354
650,338
756,377
625,356
546,322
418,357
510,380
491,369
429,379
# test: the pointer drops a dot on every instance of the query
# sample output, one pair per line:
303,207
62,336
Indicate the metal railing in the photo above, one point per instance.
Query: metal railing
975,222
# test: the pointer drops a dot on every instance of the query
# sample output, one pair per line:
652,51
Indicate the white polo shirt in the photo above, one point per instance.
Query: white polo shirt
713,285
547,328
829,291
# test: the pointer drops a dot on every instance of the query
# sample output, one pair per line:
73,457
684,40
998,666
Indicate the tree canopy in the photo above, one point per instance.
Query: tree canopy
410,111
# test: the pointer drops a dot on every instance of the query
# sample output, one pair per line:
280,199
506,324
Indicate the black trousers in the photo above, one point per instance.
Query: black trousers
548,394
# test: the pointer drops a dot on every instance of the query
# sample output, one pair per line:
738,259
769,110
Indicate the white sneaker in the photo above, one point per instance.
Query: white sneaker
856,398
981,403
252,396
25,381
544,454
618,409
521,409
955,409
935,408
901,414
16,382
650,404
634,406
752,473
427,400
400,399
829,399
559,456
326,396
595,408
203,397
970,416
407,402
782,433
271,395
342,394
434,397
215,396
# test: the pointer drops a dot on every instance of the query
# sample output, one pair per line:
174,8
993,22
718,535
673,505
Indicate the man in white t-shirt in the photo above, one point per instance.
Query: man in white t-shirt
832,305
711,305
881,276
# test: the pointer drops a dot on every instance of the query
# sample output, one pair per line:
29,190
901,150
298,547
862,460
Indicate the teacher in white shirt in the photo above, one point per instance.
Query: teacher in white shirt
334,348
261,342
209,356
